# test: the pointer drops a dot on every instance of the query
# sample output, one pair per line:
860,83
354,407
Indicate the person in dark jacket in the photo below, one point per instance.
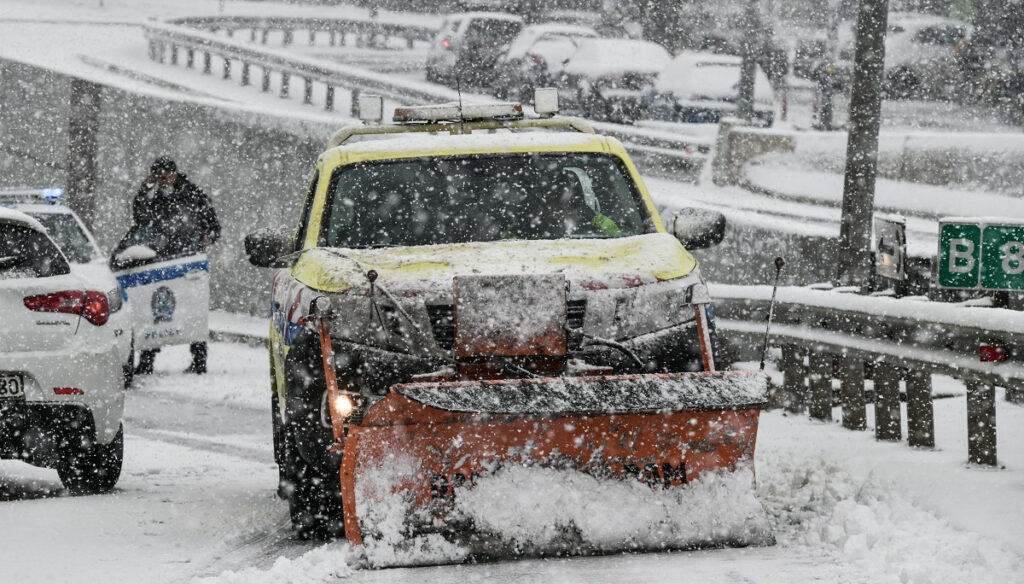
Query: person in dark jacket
170,205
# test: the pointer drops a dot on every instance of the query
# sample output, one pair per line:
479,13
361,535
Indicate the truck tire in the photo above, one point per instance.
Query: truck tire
314,501
95,469
128,369
310,473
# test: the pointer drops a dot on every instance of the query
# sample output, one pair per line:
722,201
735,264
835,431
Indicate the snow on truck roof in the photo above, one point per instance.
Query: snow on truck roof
413,145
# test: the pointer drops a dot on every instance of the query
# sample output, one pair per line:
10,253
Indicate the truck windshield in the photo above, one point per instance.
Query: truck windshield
426,201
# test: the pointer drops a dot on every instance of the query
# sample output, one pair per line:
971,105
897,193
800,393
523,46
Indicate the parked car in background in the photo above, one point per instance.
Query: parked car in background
467,47
920,55
61,389
703,88
536,58
83,254
608,78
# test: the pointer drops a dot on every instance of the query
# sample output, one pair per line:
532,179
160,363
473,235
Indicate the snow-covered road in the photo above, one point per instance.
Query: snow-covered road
196,501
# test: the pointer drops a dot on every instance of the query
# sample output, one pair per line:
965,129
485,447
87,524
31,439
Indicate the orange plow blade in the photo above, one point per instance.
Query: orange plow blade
453,471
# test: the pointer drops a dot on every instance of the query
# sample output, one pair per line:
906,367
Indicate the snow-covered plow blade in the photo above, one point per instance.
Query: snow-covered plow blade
450,471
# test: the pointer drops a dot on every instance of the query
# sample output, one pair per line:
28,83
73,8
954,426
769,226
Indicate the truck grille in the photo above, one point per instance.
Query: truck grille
442,324
442,321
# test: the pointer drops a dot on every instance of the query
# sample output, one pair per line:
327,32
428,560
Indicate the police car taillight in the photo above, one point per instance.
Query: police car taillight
90,304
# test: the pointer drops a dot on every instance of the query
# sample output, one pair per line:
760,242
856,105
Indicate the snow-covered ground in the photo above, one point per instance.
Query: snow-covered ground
197,501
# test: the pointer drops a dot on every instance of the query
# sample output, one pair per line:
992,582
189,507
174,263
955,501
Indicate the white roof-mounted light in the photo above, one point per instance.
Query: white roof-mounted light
545,101
370,108
453,112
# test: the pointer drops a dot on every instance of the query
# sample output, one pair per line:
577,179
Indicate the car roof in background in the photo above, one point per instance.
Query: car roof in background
602,56
532,33
705,57
487,15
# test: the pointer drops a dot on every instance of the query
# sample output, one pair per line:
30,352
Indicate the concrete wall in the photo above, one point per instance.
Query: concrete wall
254,169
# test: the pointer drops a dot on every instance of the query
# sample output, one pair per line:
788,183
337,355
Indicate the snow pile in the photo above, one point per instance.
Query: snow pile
584,512
324,564
503,516
874,530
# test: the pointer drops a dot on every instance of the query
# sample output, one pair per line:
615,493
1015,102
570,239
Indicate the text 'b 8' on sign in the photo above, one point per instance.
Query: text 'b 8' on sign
986,254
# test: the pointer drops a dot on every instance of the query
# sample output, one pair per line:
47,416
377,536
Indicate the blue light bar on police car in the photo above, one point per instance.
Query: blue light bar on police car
51,193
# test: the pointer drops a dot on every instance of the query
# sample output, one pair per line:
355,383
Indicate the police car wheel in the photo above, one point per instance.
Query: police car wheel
128,369
95,469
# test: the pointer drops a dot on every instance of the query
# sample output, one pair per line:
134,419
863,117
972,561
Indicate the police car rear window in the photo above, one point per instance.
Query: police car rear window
68,235
26,253
426,201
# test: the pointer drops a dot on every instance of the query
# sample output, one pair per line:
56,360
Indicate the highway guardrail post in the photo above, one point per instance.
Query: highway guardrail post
227,68
851,383
286,82
245,73
207,59
920,414
981,423
888,416
794,374
329,98
190,58
819,395
1015,392
266,79
307,93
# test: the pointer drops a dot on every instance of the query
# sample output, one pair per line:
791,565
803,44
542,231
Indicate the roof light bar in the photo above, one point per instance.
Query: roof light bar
453,112
51,193
30,196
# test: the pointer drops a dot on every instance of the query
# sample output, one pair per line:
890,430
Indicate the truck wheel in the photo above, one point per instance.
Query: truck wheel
283,472
314,502
93,470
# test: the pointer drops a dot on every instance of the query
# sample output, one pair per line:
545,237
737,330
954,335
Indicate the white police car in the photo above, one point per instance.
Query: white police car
83,254
61,387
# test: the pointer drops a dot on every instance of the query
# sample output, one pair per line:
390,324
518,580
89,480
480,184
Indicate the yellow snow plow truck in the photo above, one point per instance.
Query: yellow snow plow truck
485,343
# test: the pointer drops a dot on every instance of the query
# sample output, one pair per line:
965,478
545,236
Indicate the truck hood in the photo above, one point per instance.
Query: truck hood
590,263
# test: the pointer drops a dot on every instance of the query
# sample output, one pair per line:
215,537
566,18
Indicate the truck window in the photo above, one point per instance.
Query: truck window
427,201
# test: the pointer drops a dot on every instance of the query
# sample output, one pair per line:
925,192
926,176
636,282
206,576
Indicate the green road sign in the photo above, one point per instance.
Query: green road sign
979,254
1002,257
959,252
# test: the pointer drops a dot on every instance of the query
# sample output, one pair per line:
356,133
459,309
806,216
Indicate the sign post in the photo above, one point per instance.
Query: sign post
982,254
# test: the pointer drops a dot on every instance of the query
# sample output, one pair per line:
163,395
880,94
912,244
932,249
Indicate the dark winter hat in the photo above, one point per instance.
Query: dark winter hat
163,165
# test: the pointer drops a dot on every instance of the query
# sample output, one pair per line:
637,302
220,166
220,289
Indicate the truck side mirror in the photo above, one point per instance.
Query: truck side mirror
697,228
266,247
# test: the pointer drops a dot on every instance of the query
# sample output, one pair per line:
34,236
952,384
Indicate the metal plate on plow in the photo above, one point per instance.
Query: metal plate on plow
510,315
612,394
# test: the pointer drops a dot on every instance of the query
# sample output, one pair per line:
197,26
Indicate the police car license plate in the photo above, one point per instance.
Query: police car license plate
12,385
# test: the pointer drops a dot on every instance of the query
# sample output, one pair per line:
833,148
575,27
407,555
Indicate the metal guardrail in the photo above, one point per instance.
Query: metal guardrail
827,335
172,43
334,29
